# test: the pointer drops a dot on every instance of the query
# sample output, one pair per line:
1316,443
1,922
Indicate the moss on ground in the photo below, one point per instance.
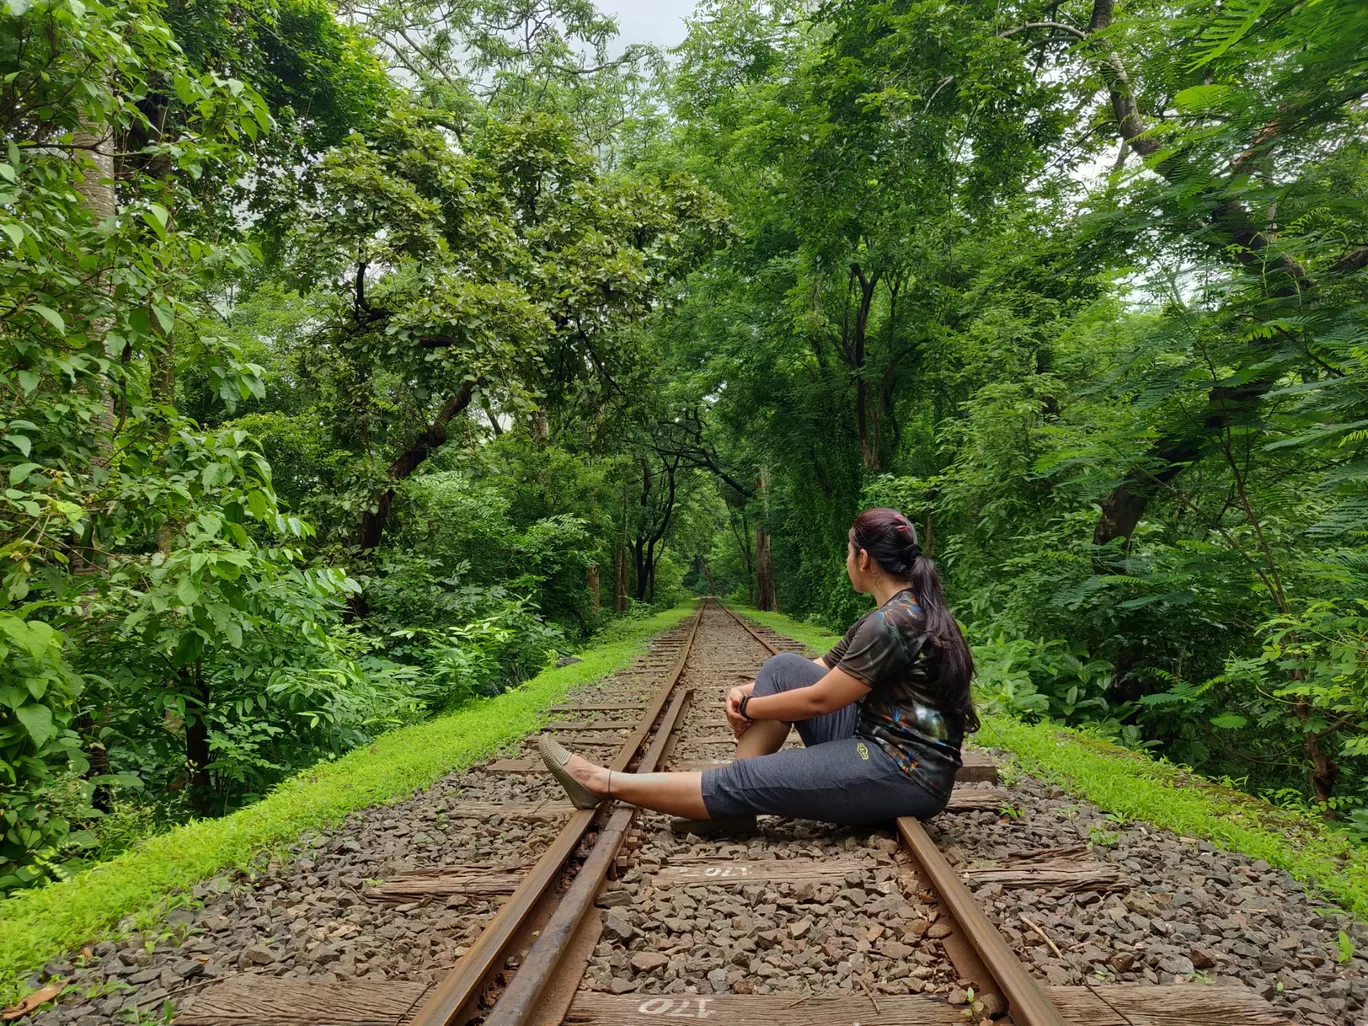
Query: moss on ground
1135,785
144,882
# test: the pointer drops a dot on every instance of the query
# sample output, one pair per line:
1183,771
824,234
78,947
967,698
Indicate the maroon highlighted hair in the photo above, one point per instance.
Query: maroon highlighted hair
891,541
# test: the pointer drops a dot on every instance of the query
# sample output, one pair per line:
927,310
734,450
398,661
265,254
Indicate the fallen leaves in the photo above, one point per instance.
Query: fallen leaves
32,1001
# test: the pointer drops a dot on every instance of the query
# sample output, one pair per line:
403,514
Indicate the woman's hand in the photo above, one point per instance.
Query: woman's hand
739,724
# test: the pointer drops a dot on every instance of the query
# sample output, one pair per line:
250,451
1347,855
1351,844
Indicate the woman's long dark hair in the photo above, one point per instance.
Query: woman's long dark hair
891,541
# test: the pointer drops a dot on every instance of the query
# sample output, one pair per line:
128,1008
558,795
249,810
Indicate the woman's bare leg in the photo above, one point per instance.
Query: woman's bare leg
763,737
676,794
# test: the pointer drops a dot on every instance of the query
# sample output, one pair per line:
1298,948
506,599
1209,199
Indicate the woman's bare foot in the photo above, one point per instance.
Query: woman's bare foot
595,778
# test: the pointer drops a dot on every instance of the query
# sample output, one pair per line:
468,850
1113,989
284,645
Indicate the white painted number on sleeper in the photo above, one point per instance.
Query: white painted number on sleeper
675,1009
713,871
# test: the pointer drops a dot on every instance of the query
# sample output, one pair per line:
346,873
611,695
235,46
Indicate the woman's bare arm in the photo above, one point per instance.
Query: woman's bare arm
834,691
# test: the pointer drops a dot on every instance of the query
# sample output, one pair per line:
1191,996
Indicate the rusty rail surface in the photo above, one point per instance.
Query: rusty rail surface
452,1002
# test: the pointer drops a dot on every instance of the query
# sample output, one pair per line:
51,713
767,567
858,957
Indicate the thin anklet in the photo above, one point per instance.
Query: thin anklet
610,784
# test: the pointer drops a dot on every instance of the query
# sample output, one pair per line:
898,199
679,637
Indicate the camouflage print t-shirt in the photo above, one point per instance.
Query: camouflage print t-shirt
904,713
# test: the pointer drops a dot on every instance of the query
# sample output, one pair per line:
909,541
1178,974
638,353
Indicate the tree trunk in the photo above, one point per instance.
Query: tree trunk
197,743
764,573
373,521
1324,770
97,754
593,585
644,547
620,597
493,419
765,597
161,379
96,188
743,545
641,564
868,447
620,561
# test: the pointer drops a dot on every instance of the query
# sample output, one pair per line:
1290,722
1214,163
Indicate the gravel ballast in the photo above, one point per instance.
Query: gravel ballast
1189,913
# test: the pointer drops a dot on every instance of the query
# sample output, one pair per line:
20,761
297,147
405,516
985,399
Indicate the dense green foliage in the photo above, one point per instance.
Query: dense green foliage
357,363
39,923
1120,388
249,285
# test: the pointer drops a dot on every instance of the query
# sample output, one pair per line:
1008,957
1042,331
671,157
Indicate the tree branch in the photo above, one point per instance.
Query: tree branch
1058,25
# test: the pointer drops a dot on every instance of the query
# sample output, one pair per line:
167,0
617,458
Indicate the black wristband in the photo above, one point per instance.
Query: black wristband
742,707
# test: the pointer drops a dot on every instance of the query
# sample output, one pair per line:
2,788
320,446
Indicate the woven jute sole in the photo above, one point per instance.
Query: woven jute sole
555,756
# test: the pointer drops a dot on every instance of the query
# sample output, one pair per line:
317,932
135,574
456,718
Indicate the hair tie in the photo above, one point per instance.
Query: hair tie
913,551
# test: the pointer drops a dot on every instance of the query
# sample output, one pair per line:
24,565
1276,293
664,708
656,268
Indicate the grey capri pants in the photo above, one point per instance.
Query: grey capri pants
837,777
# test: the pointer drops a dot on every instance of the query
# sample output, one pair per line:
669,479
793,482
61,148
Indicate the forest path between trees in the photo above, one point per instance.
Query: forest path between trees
412,914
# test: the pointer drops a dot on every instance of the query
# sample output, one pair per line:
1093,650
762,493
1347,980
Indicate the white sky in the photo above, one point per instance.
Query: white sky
649,21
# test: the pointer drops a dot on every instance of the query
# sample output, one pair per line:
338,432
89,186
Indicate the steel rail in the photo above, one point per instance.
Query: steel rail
451,1003
518,1003
1027,1002
748,628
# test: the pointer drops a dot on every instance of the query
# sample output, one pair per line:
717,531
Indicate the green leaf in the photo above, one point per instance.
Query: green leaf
19,474
166,316
1202,98
14,231
189,648
40,638
118,779
49,315
28,381
20,442
37,720
1231,25
140,321
187,590
1228,721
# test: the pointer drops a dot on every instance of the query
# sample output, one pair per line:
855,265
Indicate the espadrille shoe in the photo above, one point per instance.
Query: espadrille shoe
555,756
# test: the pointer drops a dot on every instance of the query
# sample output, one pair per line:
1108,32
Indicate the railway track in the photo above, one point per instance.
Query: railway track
619,922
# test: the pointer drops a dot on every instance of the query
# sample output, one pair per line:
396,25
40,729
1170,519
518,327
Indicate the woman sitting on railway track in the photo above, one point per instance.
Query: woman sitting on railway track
881,715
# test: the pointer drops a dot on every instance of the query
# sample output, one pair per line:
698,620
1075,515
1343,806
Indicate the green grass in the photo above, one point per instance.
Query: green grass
1138,786
819,639
149,879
